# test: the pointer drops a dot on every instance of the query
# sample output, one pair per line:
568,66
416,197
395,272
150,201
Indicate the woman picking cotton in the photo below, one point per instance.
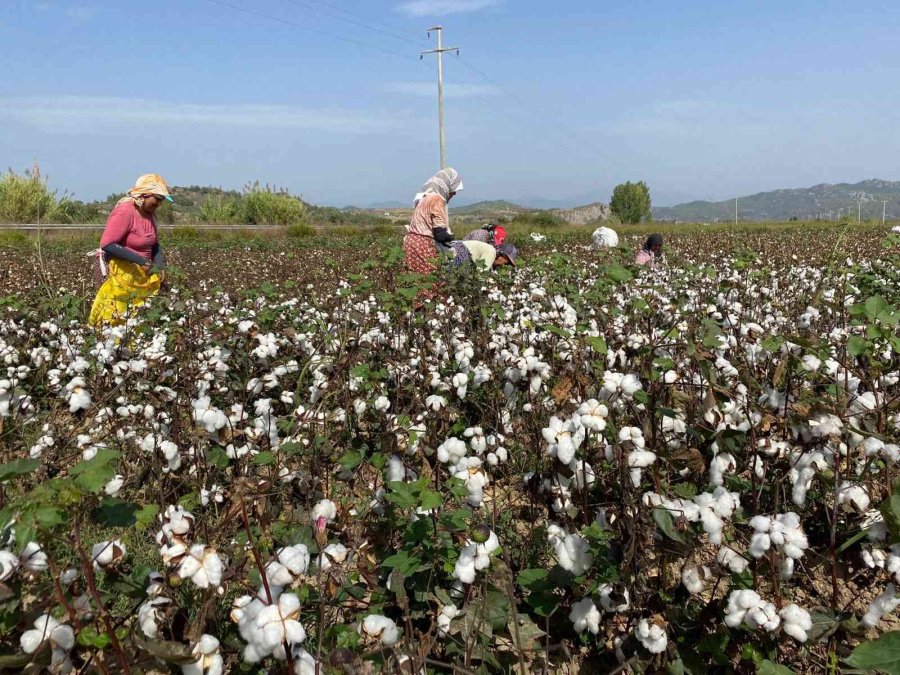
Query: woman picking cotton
131,246
651,251
489,234
483,255
430,222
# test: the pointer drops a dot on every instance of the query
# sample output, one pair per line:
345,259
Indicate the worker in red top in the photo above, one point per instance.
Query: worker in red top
489,234
131,247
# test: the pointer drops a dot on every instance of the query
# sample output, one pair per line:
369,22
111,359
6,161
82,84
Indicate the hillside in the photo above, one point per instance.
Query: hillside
803,203
495,208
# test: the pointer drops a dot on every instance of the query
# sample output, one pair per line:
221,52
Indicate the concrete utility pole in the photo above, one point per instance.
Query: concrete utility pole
735,210
440,59
883,210
859,211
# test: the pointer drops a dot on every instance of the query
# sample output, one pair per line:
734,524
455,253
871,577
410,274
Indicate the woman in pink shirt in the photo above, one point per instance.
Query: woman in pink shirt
651,250
131,246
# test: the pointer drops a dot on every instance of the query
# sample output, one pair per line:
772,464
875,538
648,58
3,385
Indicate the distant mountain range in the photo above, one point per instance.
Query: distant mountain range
822,201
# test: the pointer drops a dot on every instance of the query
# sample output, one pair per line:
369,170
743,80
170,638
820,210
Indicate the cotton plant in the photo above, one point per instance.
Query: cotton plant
380,629
474,557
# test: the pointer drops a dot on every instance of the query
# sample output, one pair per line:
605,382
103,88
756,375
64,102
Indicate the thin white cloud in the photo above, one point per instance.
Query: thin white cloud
86,113
451,90
689,118
441,7
82,13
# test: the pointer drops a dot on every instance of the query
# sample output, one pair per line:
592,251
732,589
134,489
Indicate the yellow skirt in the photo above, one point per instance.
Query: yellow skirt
127,286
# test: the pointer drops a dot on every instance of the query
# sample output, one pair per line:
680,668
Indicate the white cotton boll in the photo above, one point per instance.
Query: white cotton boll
764,616
115,485
304,663
451,451
279,623
461,382
9,563
585,616
380,628
446,616
732,560
202,566
582,474
593,415
464,570
333,554
719,465
107,553
150,615
651,636
382,404
853,497
694,578
33,558
435,402
278,575
885,603
47,628
395,471
760,543
796,622
326,509
573,553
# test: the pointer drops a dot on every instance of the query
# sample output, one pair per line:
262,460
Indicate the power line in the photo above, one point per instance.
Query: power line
293,24
373,26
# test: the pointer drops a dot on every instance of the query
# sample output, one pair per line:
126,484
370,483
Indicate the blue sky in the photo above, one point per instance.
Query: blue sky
555,101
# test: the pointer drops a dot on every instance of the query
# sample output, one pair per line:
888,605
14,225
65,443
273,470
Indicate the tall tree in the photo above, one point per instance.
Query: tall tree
630,202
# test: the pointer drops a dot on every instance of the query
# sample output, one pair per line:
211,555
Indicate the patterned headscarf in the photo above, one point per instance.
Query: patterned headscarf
443,183
148,184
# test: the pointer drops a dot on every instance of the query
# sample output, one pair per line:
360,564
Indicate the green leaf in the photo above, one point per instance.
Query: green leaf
882,654
666,524
824,624
95,473
430,499
767,667
715,646
598,344
403,562
618,273
675,667
532,577
496,609
890,510
684,490
291,448
857,345
19,467
544,602
875,306
263,459
115,513
88,637
217,457
350,460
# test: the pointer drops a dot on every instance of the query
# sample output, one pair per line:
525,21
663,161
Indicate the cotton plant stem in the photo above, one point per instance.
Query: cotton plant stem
87,566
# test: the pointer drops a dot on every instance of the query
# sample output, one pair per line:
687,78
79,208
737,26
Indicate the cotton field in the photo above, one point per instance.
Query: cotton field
573,466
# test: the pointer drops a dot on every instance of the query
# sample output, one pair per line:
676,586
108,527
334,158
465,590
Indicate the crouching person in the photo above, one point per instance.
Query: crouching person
481,254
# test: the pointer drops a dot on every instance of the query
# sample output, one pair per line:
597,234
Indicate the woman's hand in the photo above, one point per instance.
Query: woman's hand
147,267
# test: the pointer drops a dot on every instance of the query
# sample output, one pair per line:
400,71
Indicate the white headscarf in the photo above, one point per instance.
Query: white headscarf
442,183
